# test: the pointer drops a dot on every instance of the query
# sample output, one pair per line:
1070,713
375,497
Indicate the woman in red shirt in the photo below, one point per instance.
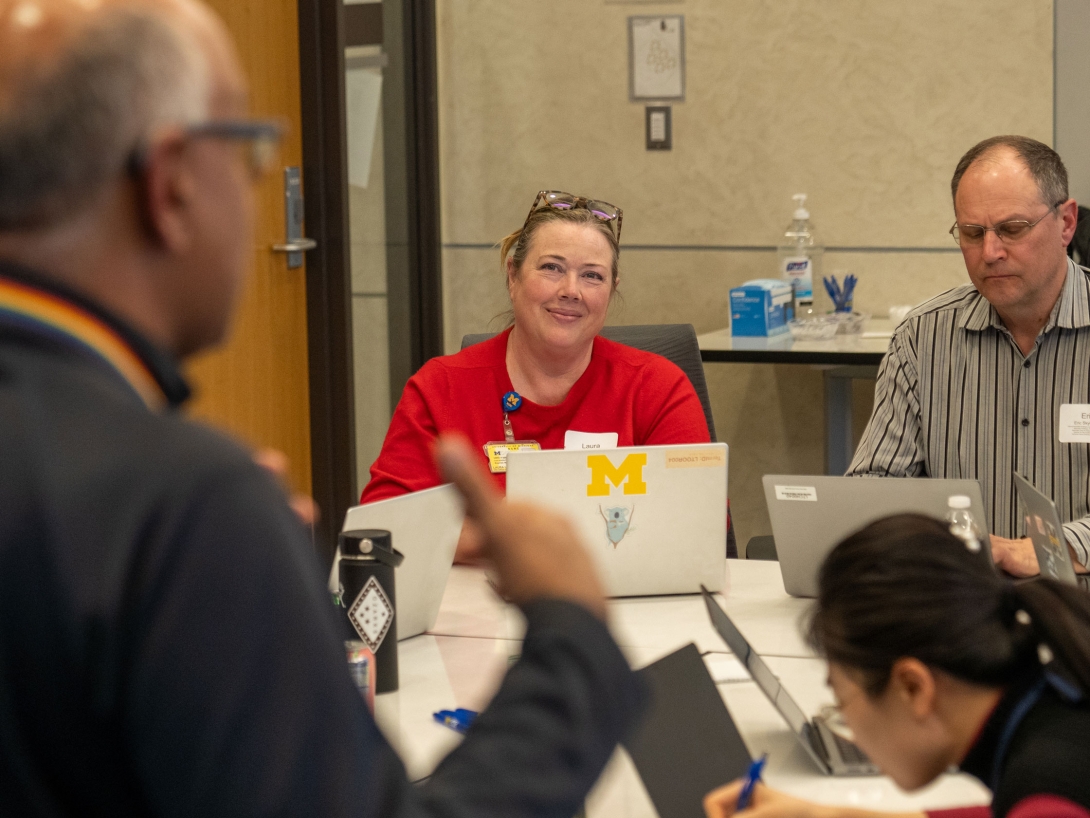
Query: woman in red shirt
549,375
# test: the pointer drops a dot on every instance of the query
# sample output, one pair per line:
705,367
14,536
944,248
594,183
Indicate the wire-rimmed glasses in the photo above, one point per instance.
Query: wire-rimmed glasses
1008,232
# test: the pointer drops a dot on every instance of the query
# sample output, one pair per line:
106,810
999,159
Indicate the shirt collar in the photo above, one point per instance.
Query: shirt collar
33,305
980,760
1071,311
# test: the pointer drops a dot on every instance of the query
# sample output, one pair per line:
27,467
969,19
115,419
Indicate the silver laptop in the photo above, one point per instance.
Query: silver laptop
424,526
653,517
1044,528
833,753
811,514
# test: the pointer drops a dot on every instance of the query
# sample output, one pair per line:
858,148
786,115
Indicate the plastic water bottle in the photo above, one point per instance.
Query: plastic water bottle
800,258
962,524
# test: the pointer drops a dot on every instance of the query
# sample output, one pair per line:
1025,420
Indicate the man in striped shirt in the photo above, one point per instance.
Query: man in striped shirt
974,380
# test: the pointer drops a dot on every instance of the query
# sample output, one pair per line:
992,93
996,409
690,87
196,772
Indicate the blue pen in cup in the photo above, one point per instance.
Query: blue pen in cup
752,777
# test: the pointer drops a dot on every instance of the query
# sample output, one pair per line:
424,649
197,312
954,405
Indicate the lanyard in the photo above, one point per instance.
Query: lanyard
511,401
1017,714
50,315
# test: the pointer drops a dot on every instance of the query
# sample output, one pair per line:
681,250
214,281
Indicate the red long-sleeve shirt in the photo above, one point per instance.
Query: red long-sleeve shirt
644,398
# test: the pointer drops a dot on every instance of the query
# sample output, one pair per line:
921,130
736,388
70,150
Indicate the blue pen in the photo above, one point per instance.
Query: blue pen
832,288
459,719
752,777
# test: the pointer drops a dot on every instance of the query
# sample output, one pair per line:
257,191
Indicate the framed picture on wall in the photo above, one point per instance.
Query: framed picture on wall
656,57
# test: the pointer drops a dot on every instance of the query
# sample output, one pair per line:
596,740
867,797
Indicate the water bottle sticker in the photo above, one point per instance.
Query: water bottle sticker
372,614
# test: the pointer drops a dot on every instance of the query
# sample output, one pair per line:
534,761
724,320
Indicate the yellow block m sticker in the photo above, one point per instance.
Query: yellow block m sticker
603,472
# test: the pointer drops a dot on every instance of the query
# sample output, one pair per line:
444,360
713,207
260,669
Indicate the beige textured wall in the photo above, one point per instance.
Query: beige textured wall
864,105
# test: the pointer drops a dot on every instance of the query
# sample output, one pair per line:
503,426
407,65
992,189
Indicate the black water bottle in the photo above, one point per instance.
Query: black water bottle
368,560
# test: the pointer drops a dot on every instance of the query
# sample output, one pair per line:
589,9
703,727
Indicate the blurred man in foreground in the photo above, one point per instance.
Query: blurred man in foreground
166,643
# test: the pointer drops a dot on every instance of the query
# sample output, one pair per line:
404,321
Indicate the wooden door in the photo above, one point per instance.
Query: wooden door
256,386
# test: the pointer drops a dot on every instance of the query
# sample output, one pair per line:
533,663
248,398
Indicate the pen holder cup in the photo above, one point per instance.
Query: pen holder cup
368,594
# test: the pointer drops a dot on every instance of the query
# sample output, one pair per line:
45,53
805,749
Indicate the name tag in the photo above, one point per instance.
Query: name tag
497,452
805,494
1075,423
578,441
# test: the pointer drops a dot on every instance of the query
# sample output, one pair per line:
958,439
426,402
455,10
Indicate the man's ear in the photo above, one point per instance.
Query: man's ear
912,683
166,188
1069,213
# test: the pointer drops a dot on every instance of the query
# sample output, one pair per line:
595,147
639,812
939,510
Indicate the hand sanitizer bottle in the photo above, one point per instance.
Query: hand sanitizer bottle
800,258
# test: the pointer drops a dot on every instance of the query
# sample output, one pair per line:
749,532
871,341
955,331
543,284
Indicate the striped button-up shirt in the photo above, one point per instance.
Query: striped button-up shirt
956,398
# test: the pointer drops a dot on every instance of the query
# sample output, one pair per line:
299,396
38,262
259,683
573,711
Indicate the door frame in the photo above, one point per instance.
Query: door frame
329,297
414,275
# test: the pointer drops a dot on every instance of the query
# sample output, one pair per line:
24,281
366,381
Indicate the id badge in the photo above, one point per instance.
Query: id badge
1074,423
496,452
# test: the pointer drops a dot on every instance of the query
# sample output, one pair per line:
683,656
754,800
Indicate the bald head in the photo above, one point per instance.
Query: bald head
83,83
1043,164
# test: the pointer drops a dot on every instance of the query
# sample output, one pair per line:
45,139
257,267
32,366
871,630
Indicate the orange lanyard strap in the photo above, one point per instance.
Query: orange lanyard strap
33,309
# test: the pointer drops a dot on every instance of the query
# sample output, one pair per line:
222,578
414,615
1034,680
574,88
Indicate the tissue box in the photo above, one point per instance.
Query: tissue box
759,307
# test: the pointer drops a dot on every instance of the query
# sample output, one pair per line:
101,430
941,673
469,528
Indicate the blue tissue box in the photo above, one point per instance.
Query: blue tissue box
759,307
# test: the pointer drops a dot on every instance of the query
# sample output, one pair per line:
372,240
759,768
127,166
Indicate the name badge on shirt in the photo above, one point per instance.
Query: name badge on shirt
1075,423
496,452
577,441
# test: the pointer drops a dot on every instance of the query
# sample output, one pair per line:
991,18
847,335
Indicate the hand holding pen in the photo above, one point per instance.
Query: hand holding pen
750,781
764,802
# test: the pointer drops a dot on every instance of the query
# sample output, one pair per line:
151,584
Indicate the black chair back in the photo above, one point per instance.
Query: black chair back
675,342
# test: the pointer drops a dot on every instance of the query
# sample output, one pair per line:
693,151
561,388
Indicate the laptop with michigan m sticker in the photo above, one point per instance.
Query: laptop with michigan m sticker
654,517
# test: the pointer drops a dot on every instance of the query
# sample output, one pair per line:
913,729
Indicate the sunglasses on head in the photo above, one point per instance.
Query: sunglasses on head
558,199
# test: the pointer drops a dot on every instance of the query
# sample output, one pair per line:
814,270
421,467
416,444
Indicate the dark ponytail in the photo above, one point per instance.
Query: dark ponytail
904,586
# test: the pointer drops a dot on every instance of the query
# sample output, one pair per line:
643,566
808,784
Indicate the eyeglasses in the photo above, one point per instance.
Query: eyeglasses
611,214
1008,232
259,137
259,140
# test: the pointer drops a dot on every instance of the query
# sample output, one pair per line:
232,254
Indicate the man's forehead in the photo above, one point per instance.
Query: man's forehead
999,173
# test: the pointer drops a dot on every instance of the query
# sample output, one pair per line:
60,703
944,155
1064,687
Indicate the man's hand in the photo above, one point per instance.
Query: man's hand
276,462
536,553
1016,557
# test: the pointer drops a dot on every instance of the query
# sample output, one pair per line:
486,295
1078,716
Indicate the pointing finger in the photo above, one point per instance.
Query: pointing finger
458,464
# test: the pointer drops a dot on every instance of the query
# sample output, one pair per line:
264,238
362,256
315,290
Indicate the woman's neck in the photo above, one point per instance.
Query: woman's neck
544,377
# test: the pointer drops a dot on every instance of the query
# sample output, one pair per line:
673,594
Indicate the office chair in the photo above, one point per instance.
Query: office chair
675,342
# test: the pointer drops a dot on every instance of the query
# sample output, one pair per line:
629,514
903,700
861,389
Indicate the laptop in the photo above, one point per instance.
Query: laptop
833,753
811,514
1043,527
424,526
653,517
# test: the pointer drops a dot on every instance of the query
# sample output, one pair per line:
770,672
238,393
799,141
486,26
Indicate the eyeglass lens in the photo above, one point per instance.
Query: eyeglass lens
1006,231
565,201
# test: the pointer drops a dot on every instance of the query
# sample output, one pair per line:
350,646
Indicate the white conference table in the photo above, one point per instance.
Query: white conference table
461,661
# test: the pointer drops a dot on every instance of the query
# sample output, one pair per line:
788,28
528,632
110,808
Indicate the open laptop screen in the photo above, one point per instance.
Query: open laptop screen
761,673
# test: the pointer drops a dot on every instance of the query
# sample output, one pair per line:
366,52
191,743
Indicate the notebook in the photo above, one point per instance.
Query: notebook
833,752
811,514
1043,527
424,526
653,517
686,744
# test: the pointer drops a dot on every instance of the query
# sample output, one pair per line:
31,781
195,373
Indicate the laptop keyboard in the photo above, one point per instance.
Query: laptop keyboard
850,753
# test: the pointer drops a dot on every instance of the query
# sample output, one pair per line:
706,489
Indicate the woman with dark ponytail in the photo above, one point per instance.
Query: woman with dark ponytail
936,660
